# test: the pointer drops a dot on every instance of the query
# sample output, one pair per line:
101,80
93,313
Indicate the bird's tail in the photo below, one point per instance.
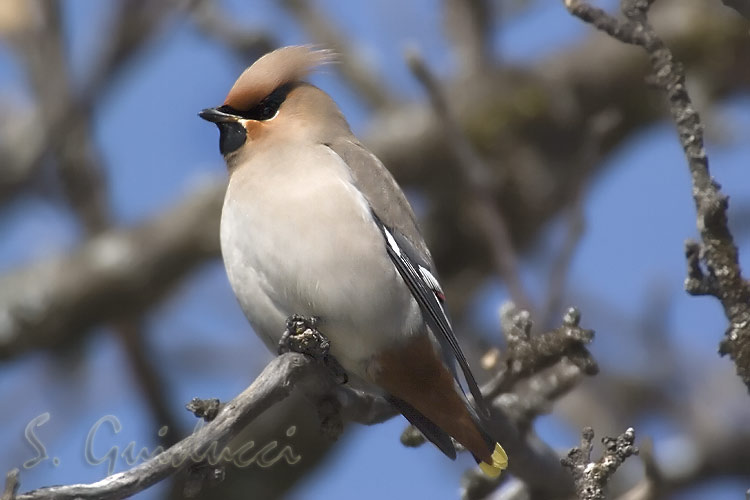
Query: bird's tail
425,391
497,460
499,463
492,463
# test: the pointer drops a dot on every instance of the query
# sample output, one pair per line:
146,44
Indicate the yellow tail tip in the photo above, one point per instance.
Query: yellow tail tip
499,462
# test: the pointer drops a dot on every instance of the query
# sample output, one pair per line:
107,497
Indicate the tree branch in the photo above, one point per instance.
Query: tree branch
592,477
210,448
274,384
528,354
717,250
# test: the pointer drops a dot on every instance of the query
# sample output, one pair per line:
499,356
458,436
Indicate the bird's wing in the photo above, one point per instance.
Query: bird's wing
405,246
381,191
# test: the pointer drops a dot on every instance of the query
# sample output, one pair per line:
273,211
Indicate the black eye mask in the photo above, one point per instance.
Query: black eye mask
232,135
265,109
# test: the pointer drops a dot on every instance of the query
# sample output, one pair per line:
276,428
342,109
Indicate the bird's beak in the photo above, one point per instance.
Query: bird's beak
215,115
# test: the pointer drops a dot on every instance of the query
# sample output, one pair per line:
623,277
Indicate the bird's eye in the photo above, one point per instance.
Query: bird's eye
267,112
264,111
269,106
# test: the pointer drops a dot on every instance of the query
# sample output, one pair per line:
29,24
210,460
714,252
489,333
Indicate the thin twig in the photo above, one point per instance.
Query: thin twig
528,354
592,477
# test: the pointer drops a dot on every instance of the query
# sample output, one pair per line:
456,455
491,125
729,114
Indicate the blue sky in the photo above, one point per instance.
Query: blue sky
638,214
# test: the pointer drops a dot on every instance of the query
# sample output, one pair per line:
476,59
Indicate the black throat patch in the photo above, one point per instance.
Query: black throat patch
232,135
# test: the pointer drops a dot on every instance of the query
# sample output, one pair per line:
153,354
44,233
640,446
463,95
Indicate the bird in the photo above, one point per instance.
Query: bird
313,224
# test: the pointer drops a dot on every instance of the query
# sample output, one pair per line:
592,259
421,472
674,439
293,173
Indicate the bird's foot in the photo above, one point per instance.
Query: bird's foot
302,336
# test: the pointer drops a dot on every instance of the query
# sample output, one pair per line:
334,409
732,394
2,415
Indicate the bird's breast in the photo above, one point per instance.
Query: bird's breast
298,238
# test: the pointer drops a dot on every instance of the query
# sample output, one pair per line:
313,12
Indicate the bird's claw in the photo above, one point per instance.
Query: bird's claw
301,335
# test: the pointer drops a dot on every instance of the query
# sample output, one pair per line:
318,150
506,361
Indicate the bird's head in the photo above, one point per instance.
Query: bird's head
271,103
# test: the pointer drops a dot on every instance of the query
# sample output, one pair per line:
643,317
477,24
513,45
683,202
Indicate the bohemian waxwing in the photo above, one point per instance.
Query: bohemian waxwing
313,224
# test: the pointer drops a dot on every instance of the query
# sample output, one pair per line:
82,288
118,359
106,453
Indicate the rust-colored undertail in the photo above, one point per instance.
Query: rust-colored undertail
415,373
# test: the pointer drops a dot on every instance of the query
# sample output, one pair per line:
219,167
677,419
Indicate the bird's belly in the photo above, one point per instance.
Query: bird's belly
316,252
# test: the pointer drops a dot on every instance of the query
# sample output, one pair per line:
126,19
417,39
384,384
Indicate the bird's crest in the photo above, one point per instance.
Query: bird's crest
282,66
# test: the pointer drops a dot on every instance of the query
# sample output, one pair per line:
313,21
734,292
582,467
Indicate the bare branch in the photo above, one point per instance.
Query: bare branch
528,354
717,251
274,384
311,371
592,477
